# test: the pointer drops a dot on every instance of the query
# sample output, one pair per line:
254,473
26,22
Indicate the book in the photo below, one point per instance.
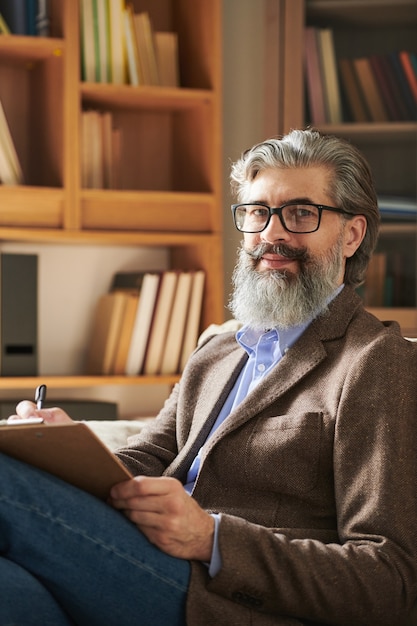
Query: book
313,74
397,208
407,64
352,91
331,86
4,29
125,336
388,73
146,47
14,13
12,174
101,36
370,90
31,11
375,280
176,328
130,281
42,19
192,325
133,61
88,50
105,333
405,90
117,42
70,451
107,162
387,94
160,322
143,321
166,46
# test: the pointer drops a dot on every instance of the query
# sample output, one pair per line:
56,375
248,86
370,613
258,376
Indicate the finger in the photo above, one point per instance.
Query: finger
142,486
27,409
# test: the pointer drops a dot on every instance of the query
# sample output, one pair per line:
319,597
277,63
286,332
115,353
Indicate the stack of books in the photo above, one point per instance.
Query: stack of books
375,88
121,47
147,324
100,150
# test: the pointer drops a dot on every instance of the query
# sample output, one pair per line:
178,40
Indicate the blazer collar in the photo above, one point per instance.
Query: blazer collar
304,356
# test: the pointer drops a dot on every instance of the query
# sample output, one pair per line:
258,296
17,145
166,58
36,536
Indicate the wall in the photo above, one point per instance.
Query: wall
243,104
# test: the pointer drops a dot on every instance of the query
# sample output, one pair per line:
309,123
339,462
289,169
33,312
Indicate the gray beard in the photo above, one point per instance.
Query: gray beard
282,299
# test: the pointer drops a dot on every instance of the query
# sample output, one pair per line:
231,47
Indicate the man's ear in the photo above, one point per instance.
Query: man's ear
355,231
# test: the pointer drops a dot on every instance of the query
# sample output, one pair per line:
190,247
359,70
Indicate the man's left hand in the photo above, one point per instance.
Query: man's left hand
170,518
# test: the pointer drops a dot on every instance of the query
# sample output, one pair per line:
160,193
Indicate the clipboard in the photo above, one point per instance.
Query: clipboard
70,451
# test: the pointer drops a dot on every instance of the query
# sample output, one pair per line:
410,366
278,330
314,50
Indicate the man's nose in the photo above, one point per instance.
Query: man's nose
275,231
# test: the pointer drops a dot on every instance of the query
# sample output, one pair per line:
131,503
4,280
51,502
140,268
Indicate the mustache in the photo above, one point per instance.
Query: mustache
284,250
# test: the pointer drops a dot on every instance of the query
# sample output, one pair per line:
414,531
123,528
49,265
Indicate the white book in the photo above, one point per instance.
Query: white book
131,48
193,319
175,335
144,314
11,173
158,334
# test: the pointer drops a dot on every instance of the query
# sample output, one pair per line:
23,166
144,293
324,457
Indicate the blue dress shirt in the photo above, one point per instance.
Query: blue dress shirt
265,350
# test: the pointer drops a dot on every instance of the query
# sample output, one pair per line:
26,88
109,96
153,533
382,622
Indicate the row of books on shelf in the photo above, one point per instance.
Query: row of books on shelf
120,46
390,280
100,150
24,17
375,88
147,324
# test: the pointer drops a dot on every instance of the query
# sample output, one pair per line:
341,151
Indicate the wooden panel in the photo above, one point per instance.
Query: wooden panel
146,211
31,207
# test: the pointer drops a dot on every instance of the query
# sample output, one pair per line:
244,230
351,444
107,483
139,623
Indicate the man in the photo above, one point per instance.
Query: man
295,438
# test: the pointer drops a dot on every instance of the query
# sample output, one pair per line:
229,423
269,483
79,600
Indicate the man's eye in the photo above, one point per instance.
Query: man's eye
259,212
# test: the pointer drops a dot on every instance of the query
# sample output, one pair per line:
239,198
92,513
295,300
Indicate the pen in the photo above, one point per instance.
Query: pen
40,396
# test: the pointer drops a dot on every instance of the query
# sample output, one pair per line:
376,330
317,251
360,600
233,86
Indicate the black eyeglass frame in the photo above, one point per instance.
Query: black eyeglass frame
278,211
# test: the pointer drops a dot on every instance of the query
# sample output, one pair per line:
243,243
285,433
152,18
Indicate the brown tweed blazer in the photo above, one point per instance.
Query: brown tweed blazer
314,474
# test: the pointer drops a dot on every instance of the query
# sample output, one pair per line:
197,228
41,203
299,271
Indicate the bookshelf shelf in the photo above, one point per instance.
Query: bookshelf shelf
168,194
373,130
82,382
30,48
360,29
145,97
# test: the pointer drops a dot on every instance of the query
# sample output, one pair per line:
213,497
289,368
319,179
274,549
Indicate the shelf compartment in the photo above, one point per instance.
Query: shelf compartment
147,211
158,147
35,117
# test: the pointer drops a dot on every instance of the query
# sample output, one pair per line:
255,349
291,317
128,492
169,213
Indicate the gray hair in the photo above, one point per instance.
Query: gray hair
351,185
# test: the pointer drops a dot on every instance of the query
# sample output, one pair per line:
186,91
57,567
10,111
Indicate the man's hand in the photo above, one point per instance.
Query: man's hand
27,409
170,518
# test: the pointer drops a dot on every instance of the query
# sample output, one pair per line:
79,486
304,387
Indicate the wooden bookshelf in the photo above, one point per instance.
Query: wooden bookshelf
170,188
360,28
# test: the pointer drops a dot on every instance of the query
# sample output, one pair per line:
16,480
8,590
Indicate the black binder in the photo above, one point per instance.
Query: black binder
19,314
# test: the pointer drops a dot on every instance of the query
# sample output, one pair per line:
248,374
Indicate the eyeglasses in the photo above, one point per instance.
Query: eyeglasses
295,217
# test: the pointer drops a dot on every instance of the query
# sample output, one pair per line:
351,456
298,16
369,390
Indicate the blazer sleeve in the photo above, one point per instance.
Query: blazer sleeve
151,451
365,572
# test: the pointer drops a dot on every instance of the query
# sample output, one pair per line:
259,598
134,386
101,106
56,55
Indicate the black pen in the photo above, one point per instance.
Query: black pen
40,396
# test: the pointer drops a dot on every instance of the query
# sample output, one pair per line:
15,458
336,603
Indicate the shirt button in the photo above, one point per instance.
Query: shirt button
261,367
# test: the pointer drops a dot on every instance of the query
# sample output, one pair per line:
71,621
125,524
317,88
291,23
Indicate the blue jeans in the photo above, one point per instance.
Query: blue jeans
68,558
